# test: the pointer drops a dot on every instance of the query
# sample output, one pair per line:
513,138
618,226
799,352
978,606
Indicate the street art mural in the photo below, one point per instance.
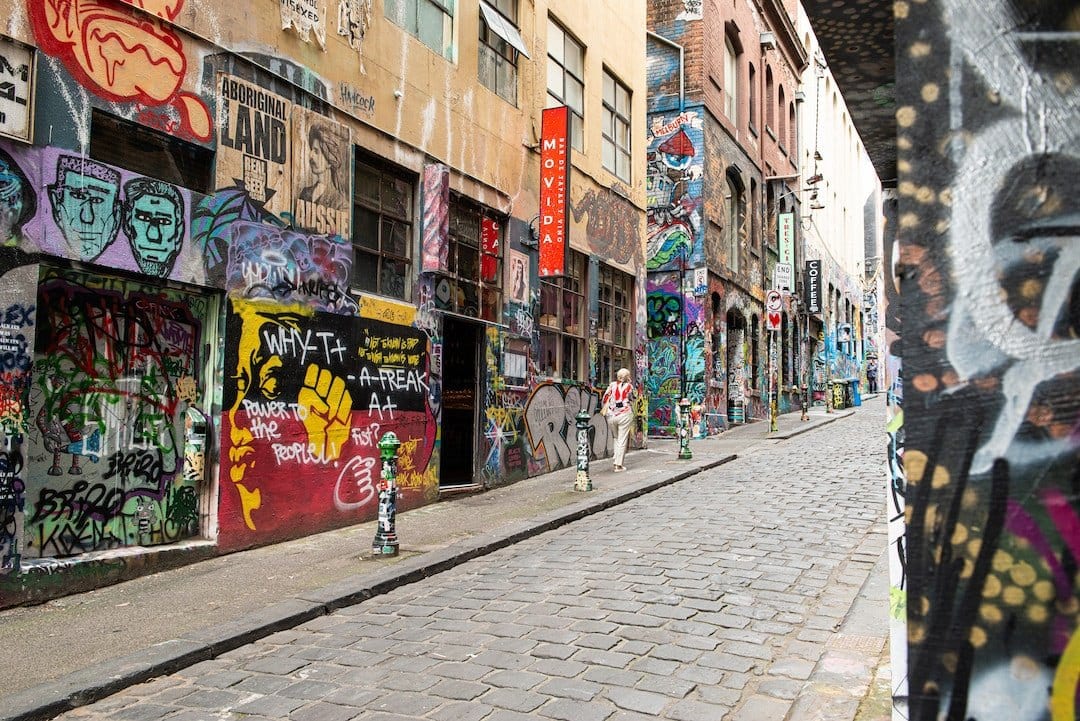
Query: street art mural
18,282
211,225
989,262
610,223
18,199
116,367
125,56
674,246
288,267
308,397
673,191
550,423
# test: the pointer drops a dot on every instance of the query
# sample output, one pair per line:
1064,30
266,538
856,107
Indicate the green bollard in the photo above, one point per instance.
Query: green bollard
386,540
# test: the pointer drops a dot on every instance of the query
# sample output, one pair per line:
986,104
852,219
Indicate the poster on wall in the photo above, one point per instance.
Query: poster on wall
517,277
253,142
16,90
307,17
322,152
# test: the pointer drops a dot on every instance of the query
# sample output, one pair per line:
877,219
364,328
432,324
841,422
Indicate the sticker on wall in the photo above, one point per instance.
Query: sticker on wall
691,10
16,90
322,149
253,142
307,17
517,276
353,19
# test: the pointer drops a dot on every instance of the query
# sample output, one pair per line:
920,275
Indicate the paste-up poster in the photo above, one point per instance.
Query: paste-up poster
253,142
322,157
306,17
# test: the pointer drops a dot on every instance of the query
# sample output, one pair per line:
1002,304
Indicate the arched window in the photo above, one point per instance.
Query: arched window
781,104
770,100
736,214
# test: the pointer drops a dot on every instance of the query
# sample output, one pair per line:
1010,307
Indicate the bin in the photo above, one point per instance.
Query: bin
849,394
838,395
856,398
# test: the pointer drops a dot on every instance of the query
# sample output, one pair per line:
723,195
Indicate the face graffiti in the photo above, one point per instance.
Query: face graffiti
154,224
85,205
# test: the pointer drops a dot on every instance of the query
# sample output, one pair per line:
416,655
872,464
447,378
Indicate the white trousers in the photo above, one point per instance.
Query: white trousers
620,429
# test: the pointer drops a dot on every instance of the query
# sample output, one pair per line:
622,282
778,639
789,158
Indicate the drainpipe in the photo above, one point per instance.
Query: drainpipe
682,83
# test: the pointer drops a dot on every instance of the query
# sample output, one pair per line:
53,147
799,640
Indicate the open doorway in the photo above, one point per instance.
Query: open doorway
461,350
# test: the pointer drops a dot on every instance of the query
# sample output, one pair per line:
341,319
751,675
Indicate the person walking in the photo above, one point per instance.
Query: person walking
618,404
871,375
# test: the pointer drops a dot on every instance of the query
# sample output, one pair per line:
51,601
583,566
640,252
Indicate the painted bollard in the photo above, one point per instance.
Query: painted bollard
386,540
684,430
583,482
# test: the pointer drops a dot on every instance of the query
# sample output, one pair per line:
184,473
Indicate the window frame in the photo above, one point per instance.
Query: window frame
613,121
402,17
731,81
611,354
577,113
555,332
361,203
134,147
500,54
735,215
487,278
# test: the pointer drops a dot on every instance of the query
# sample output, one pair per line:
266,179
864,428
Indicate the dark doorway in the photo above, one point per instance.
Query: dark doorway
461,348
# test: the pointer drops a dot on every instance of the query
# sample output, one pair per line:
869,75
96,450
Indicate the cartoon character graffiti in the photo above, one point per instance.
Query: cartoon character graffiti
85,205
18,204
153,221
123,56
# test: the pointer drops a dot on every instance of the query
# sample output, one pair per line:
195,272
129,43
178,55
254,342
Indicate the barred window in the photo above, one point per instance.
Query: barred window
562,322
473,286
382,230
614,326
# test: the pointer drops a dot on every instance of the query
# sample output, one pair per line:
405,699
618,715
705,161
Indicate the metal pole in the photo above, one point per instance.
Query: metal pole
773,410
583,481
386,540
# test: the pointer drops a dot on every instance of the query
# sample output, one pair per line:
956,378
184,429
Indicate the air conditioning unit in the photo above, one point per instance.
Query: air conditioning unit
768,40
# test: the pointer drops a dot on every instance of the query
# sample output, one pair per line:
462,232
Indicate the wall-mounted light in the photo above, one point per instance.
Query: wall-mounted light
817,155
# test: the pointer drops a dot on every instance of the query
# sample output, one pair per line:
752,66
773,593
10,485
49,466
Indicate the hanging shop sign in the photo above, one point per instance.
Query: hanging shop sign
812,286
16,90
785,231
554,190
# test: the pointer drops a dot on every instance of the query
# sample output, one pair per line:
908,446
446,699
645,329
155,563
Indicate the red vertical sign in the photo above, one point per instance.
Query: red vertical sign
554,189
489,244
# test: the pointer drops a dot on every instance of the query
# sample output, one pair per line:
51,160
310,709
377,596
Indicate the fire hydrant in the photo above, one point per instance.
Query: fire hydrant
684,430
583,482
386,540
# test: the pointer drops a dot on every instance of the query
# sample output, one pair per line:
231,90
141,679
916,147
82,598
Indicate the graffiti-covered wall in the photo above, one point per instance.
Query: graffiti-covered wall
988,212
674,248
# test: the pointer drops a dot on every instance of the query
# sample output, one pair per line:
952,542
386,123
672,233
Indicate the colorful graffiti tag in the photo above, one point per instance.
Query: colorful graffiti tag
115,370
550,423
124,56
991,361
309,397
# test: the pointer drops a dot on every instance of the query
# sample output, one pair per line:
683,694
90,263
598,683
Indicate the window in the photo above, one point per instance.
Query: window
769,101
731,81
429,21
565,79
382,230
146,151
753,99
613,326
562,322
736,213
781,105
616,128
793,130
473,285
500,45
755,229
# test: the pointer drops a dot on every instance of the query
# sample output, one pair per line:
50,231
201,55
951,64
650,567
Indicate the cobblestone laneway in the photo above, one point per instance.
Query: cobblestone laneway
710,599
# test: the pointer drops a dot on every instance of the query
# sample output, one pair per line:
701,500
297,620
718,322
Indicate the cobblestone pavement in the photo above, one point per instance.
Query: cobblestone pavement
711,599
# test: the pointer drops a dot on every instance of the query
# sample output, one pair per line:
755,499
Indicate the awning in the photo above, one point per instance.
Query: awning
501,27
